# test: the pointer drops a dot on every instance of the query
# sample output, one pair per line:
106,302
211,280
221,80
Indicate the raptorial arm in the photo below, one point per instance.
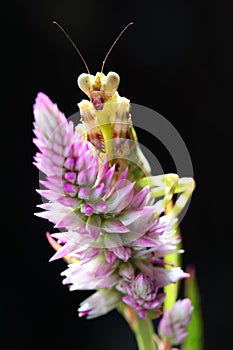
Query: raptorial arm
168,184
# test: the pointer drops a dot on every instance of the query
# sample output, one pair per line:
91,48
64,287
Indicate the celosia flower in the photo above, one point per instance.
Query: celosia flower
174,322
143,295
117,233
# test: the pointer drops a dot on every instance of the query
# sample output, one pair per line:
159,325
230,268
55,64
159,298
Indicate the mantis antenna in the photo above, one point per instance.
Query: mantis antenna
114,43
72,43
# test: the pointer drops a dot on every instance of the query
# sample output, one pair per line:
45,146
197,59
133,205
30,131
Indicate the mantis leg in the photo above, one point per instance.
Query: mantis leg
168,184
88,117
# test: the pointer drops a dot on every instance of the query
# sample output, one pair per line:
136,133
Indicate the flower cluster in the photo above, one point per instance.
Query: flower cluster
174,322
117,233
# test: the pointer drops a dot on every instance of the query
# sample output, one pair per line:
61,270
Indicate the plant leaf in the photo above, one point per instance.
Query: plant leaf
194,339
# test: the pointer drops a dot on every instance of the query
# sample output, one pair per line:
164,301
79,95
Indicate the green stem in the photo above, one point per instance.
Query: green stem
142,327
144,334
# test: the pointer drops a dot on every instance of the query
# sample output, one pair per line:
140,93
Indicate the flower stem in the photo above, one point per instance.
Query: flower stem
142,327
144,334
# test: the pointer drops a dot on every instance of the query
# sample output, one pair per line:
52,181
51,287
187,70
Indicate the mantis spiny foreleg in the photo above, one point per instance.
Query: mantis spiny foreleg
168,184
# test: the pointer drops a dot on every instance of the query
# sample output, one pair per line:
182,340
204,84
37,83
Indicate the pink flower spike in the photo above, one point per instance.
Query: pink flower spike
142,295
50,127
173,325
112,233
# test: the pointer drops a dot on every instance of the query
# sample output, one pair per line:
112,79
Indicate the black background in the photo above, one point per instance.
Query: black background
177,60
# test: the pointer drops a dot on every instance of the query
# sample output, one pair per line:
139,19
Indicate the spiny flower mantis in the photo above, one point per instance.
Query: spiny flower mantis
119,218
108,126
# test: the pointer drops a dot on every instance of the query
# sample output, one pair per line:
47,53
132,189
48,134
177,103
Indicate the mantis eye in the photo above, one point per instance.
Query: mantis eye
112,81
84,83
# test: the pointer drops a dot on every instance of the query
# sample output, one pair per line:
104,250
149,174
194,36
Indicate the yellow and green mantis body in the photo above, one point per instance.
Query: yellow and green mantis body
108,127
108,124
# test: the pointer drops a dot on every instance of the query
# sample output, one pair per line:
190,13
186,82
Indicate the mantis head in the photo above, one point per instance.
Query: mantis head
99,88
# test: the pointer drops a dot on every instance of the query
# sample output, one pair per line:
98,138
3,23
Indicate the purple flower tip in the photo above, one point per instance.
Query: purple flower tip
142,295
87,209
174,322
70,189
